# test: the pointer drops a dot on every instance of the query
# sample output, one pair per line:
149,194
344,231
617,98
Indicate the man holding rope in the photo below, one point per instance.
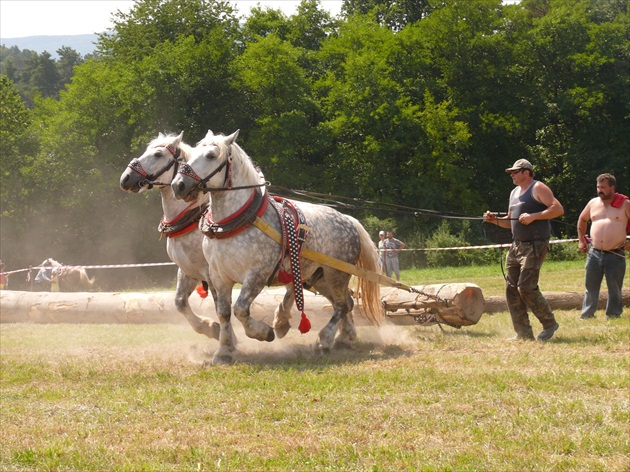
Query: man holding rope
609,214
532,204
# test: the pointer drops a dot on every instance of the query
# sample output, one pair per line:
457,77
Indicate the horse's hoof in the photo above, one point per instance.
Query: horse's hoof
222,360
270,335
282,330
342,346
321,350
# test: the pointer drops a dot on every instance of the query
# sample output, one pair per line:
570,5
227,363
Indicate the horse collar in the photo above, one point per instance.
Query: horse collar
237,222
184,223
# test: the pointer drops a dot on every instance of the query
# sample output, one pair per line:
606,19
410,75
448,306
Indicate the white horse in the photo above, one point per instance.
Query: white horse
179,223
239,253
70,278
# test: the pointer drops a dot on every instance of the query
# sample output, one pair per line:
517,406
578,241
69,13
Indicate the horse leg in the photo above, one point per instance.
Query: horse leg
347,332
336,290
253,328
185,286
223,354
282,315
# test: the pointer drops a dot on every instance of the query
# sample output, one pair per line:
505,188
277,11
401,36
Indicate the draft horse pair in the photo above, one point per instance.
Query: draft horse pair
237,252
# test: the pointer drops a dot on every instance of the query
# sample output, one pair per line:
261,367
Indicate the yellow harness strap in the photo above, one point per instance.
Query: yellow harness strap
331,261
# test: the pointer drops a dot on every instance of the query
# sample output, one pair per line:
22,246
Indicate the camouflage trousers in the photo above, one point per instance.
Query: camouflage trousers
522,266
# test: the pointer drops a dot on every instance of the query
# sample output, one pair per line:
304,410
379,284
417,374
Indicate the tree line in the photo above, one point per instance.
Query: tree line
420,104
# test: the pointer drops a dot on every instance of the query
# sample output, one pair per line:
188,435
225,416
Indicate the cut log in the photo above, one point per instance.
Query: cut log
457,304
557,301
159,307
128,307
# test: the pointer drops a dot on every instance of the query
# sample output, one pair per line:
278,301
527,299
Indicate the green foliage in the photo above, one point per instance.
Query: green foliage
564,252
15,139
374,224
444,237
421,104
151,23
38,74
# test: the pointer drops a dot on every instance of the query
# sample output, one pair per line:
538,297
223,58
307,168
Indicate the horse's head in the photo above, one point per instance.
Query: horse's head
164,153
207,168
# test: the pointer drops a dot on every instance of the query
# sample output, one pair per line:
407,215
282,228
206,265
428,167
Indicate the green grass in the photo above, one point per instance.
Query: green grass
138,397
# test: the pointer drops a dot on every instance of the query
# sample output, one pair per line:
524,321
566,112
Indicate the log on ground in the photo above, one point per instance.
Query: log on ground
557,301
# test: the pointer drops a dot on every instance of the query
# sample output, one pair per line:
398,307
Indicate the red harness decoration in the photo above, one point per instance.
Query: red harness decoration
183,223
238,221
202,291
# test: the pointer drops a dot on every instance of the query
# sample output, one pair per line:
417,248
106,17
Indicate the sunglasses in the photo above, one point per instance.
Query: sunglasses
515,171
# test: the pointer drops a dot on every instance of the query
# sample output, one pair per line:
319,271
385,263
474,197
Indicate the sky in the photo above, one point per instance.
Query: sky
21,18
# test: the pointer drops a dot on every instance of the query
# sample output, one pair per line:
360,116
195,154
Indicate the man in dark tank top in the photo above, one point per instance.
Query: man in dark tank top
531,206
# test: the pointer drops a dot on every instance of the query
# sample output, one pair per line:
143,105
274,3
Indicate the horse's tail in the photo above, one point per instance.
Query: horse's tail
370,292
86,282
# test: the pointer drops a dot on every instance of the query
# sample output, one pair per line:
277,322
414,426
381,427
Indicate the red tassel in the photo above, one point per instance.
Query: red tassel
203,293
305,324
285,277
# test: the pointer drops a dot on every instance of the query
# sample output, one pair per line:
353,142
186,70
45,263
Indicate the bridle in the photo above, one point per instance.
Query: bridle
150,179
186,170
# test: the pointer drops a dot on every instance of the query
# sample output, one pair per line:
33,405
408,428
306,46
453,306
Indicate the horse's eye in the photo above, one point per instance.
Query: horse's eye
159,153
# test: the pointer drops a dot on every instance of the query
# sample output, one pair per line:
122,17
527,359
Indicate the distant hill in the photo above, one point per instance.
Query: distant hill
82,43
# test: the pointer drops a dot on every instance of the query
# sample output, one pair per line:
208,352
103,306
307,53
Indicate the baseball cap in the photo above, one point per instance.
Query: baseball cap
521,164
381,232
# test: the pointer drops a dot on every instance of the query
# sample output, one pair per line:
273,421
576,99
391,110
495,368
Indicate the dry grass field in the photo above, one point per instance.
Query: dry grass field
139,398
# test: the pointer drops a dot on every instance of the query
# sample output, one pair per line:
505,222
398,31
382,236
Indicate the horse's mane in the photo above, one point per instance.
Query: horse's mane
53,262
241,162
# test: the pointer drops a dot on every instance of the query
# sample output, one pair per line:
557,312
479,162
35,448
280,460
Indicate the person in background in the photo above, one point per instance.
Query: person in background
609,214
392,247
4,279
42,279
531,206
381,251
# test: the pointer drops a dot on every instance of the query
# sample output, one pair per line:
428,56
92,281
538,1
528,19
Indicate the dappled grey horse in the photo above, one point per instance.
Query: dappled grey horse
239,253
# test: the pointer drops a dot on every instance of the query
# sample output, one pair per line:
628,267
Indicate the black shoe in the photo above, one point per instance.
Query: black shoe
613,317
547,334
587,317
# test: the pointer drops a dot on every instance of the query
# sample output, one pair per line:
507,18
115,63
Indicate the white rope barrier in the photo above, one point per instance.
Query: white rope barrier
156,264
487,246
102,266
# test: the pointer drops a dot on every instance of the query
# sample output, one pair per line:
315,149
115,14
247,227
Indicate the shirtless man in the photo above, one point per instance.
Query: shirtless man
531,206
608,213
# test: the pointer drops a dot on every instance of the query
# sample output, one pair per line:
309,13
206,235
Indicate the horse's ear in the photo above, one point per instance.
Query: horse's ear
209,134
178,139
160,136
231,139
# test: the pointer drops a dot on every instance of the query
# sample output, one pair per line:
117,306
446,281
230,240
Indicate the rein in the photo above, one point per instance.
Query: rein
188,171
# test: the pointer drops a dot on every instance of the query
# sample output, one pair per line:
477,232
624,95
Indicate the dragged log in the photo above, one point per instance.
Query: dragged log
454,304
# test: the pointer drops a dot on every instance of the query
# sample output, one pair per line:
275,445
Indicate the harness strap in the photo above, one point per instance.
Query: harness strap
296,232
283,277
183,223
237,222
333,262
